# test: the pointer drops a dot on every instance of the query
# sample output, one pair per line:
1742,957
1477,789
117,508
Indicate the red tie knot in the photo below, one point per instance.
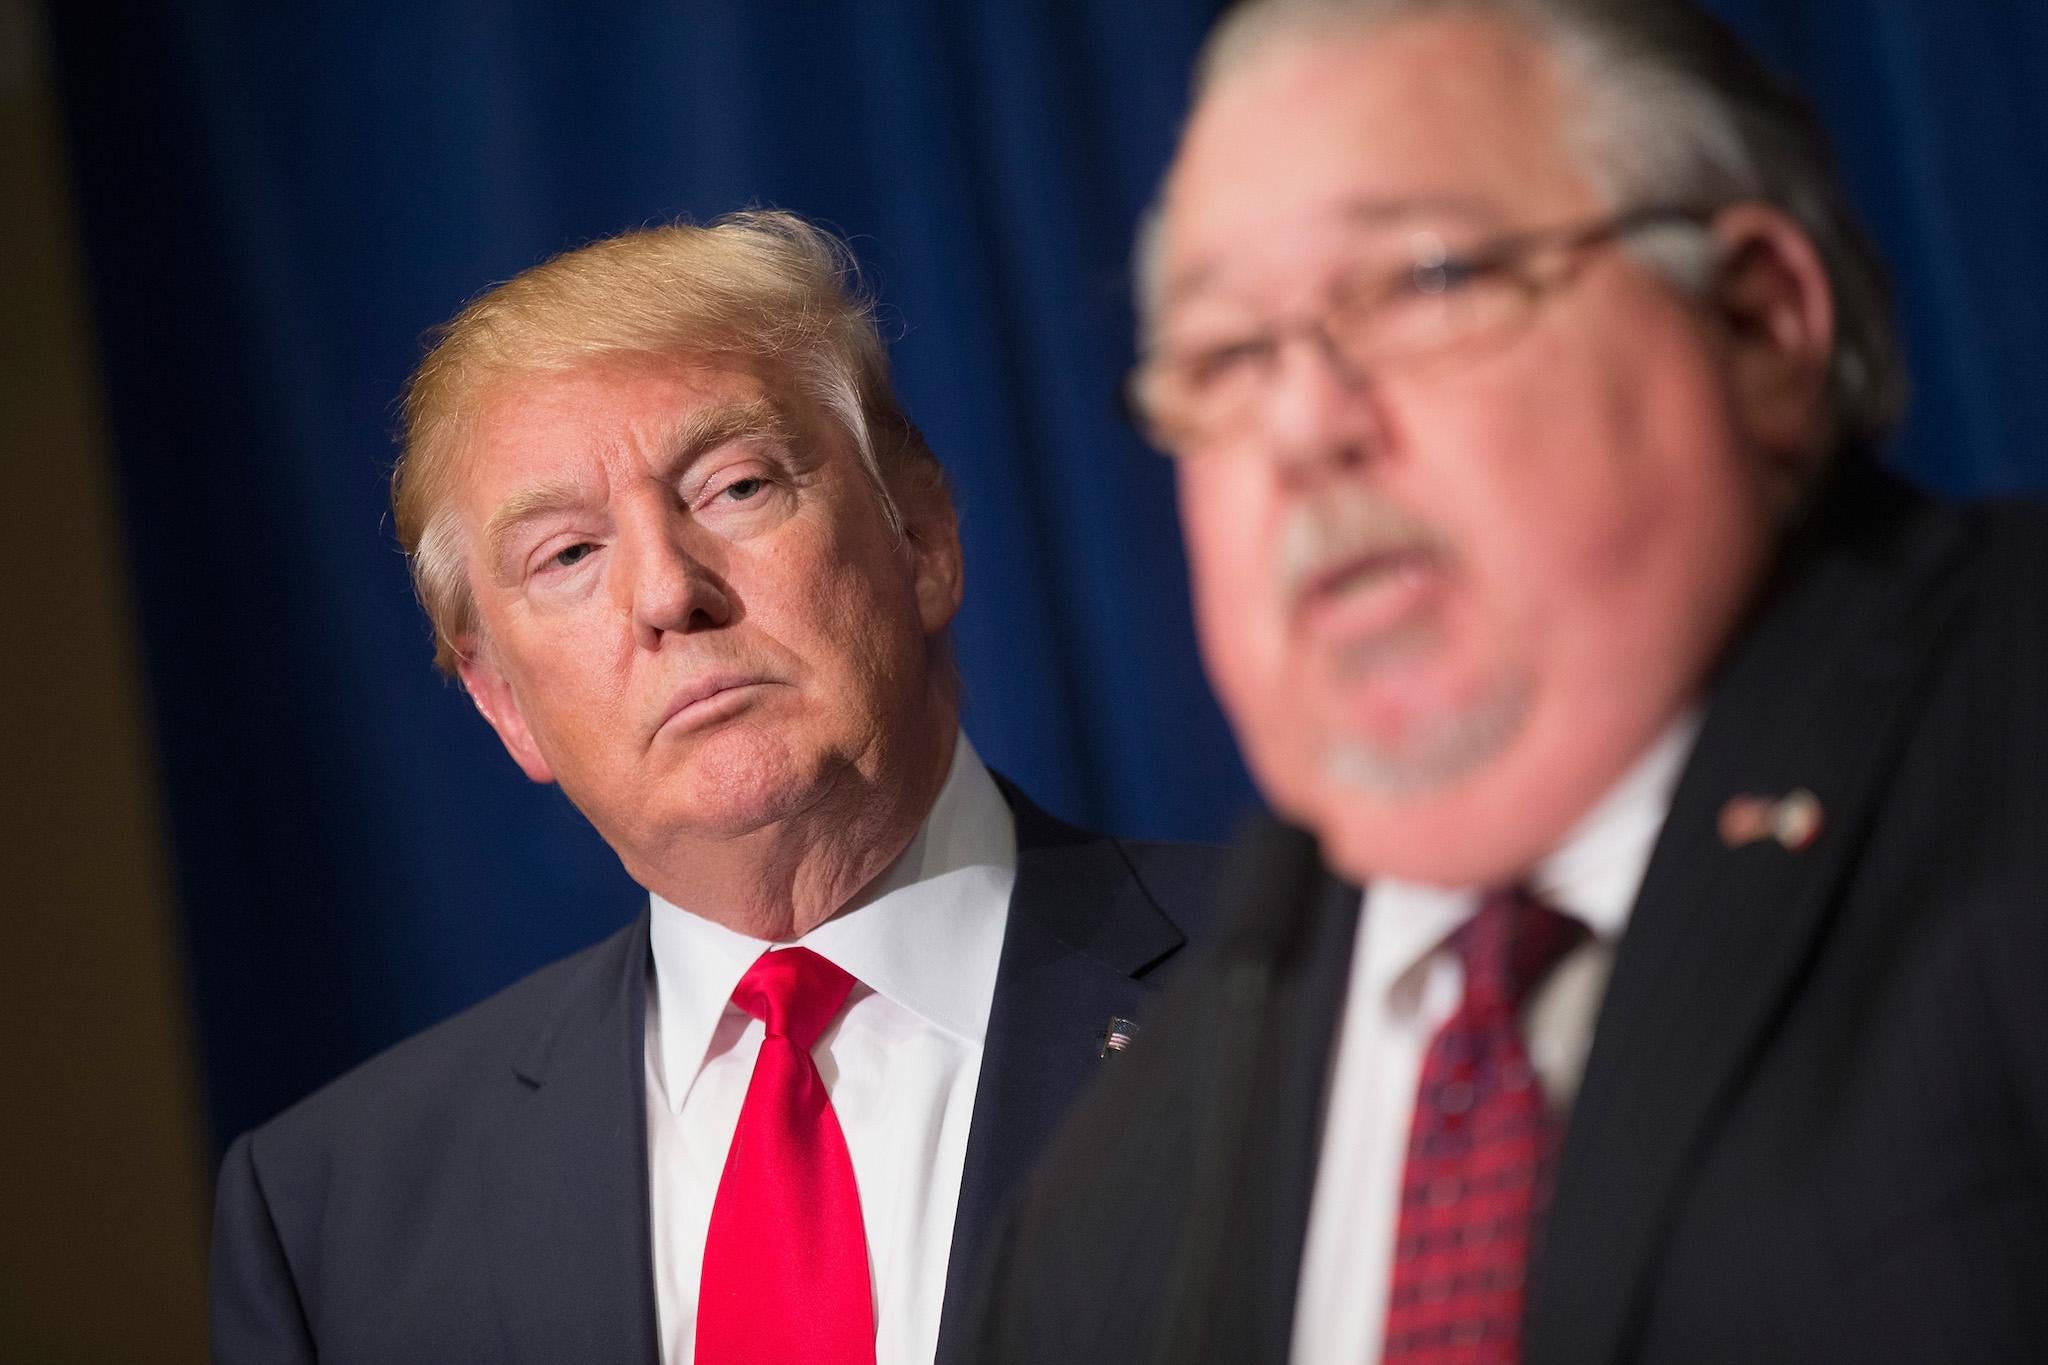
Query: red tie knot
1511,944
794,992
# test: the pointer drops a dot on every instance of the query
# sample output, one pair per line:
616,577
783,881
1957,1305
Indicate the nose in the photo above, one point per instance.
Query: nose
668,586
1322,412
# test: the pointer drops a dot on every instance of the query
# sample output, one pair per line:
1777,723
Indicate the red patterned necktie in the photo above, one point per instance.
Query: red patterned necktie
1479,1152
786,1257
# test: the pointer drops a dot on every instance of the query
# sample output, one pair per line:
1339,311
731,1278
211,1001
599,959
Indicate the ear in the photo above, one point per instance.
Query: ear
495,700
932,530
1773,296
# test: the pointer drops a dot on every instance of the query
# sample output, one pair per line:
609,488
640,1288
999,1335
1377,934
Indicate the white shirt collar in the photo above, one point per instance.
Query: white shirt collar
927,934
1593,874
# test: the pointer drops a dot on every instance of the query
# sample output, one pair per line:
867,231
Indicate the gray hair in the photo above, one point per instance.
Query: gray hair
1670,108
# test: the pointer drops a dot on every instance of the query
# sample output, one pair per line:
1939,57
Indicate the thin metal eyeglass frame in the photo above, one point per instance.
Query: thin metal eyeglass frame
1498,256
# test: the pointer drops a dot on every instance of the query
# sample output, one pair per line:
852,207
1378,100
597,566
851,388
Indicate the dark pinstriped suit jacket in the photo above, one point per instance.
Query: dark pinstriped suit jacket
479,1193
1814,1121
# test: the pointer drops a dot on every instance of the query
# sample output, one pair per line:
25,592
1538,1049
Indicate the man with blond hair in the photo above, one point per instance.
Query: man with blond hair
1522,368
690,560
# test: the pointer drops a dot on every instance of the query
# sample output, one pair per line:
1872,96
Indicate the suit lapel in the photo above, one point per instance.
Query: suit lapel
1287,1102
565,1174
1081,932
1813,698
1261,1018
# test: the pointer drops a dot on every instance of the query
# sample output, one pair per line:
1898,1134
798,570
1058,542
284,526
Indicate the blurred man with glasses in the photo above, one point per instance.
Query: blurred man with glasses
1523,370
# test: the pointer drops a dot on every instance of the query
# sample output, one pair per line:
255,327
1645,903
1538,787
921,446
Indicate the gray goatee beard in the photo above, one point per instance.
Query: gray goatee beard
1439,751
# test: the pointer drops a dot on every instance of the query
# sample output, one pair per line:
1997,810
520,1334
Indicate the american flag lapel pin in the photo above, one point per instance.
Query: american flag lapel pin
1118,1035
1793,820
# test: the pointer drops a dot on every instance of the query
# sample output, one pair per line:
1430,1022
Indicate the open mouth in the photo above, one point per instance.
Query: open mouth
1371,593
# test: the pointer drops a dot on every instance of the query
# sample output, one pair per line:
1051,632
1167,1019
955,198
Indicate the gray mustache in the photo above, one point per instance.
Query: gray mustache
1342,527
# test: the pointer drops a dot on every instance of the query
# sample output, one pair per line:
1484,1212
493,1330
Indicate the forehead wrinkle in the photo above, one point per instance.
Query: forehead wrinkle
701,430
1371,103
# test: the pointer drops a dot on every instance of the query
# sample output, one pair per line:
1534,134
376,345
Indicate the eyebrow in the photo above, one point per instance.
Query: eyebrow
702,430
708,428
1365,212
524,506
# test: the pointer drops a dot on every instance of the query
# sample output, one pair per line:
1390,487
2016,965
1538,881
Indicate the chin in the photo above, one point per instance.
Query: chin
1430,758
740,782
1447,803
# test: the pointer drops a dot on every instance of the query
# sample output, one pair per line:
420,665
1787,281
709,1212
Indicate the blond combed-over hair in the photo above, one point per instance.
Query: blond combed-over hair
761,285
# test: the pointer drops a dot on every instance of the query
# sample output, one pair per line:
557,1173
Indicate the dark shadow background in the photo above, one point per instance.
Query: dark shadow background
276,201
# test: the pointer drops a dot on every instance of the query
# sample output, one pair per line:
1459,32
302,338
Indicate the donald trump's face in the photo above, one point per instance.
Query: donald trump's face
695,614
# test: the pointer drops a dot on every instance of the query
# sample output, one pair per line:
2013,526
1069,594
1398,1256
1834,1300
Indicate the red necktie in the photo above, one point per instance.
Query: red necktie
786,1258
1479,1152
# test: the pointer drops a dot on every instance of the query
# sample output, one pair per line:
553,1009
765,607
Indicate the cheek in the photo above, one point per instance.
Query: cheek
845,601
1609,548
590,695
1592,484
562,661
1239,615
1217,553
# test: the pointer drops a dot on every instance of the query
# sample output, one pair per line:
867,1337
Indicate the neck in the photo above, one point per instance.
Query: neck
782,880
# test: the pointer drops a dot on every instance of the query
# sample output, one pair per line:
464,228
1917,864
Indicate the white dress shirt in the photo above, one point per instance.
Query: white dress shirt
1405,982
901,1062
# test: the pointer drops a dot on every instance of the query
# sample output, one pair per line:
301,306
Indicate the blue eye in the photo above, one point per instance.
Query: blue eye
574,554
739,490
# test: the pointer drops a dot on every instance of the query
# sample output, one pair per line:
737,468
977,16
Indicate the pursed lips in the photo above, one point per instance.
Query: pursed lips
704,689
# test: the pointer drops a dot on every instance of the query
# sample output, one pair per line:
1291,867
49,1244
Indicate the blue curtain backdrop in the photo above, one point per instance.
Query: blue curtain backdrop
279,200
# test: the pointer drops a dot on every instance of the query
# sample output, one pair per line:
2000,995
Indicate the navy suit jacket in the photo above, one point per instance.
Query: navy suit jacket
479,1193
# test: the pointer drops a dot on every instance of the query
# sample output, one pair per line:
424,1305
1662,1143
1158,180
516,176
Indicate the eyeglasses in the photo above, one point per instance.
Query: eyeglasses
1442,306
